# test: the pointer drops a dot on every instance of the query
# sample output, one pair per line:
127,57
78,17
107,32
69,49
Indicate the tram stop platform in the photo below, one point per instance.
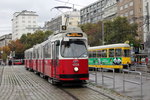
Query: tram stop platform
134,83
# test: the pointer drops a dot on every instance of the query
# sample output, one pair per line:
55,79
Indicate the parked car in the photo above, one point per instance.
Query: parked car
18,61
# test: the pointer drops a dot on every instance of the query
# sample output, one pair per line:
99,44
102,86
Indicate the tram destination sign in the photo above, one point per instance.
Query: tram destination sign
74,35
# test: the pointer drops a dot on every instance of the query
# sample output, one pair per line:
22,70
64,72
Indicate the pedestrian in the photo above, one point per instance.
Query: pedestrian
146,60
10,62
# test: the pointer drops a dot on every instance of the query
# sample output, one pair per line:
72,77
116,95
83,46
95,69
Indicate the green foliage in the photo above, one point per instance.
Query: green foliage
93,32
120,30
25,42
18,47
4,56
32,39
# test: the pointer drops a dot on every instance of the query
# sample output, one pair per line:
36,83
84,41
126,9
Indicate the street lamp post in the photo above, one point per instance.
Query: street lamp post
102,6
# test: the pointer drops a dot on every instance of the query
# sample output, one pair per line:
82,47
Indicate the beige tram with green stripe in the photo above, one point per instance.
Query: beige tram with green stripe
110,56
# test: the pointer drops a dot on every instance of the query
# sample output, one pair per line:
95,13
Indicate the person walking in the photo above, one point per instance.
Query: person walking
10,62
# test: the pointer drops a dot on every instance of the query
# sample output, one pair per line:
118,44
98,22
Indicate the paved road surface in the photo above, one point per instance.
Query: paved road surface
20,84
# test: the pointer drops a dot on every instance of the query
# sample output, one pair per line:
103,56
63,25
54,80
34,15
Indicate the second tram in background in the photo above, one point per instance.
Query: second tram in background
110,56
61,58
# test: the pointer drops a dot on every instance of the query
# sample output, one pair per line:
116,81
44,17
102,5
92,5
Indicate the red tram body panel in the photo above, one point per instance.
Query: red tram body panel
61,58
28,59
66,69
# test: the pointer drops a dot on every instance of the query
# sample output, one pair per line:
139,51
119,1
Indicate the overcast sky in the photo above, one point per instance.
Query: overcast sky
41,7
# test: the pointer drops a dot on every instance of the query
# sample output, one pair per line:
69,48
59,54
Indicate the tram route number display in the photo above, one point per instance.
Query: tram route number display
74,35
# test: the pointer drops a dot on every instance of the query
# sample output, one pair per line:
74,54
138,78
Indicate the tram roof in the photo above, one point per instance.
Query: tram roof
109,46
29,50
69,29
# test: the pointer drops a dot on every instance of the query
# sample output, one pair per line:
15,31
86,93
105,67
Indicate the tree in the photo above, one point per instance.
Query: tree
117,30
18,47
93,32
29,40
120,30
5,51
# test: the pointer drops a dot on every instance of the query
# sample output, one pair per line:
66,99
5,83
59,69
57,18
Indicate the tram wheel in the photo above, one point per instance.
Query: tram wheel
51,80
41,75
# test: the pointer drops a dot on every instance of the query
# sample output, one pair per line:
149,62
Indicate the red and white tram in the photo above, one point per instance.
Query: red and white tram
63,57
28,58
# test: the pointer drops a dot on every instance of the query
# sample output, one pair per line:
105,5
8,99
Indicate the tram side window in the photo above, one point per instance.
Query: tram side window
37,53
26,56
90,54
99,54
94,54
111,52
47,51
118,52
104,53
30,56
126,53
34,54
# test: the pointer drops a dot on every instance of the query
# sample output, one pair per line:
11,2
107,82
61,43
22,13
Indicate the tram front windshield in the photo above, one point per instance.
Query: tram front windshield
73,48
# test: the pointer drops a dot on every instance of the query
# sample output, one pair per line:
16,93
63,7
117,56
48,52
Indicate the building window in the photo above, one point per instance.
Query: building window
23,21
131,4
70,23
126,6
126,14
121,8
131,12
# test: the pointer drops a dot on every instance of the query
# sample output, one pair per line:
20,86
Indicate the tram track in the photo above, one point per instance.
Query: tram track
102,93
80,93
1,74
40,89
70,94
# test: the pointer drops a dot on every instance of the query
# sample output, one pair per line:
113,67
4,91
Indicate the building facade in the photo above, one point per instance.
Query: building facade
23,22
133,10
146,20
5,39
110,10
99,10
68,18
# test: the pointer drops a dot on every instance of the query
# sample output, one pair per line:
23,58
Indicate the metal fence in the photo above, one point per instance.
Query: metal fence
110,77
133,82
103,76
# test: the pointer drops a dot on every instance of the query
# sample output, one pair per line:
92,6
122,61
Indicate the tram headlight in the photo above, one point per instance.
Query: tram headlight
76,69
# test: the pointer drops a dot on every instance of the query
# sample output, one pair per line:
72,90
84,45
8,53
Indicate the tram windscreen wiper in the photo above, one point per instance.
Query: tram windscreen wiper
82,54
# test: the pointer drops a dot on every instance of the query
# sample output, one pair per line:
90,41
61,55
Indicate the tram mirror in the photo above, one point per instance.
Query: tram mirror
57,43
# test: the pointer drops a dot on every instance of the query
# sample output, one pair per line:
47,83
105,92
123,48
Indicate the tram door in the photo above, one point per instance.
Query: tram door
55,57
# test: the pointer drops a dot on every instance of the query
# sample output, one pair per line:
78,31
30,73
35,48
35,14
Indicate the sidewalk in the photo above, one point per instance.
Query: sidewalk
132,90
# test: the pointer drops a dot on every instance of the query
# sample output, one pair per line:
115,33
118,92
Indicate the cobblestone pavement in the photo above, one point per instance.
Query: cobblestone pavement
19,84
